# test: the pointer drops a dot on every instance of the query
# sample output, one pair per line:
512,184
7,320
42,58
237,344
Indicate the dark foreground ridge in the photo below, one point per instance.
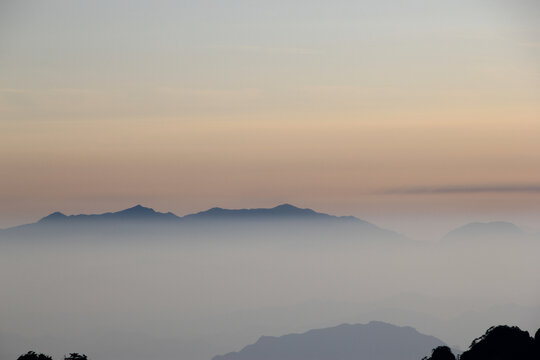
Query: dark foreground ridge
498,343
374,341
31,355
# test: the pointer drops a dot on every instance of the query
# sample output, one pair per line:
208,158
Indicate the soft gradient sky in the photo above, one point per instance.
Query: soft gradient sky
369,108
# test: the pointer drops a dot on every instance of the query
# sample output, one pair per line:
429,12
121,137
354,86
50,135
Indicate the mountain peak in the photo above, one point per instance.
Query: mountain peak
136,213
286,206
55,216
138,210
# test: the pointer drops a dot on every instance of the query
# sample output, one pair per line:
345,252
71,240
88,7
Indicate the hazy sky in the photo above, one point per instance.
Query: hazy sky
387,110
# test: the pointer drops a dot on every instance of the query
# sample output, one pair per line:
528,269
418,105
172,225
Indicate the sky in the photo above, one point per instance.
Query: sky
398,112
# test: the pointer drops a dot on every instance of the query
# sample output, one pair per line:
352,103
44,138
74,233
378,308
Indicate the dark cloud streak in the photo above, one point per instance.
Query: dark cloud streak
465,189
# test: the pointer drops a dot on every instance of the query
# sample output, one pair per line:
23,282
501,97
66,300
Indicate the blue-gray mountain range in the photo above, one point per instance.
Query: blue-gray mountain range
140,213
284,218
288,217
374,341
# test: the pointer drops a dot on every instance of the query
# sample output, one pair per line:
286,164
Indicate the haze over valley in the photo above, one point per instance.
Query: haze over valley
200,285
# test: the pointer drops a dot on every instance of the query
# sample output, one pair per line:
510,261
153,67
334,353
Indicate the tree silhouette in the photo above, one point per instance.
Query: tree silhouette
76,356
441,353
498,343
502,343
31,355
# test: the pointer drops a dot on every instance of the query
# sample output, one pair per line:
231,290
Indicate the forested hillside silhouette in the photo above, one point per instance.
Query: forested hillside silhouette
31,355
498,343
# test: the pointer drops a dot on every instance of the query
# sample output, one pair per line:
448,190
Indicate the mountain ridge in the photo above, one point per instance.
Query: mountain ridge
137,212
140,212
281,211
281,221
375,340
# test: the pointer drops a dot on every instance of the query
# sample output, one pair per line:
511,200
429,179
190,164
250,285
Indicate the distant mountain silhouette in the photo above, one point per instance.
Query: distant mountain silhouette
283,219
374,341
281,212
136,213
141,213
496,230
59,225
